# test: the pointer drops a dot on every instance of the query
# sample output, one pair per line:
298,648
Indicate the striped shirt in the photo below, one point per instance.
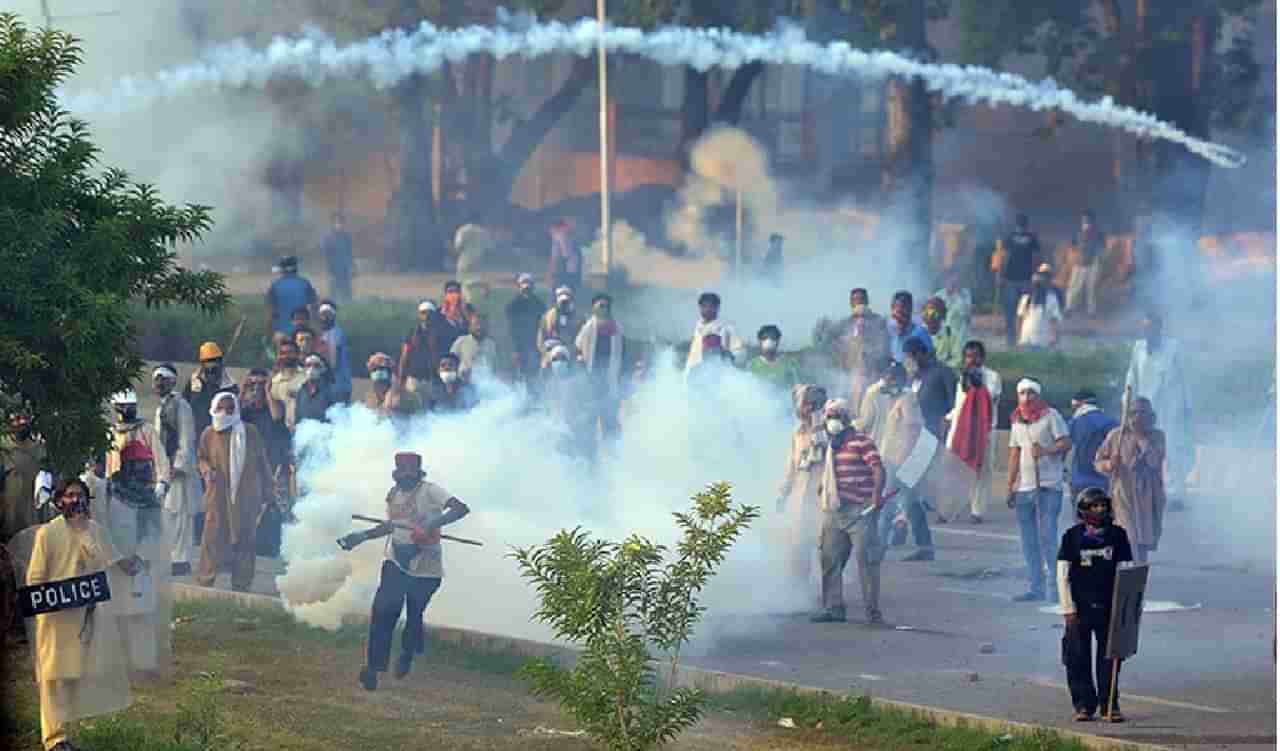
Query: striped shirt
854,465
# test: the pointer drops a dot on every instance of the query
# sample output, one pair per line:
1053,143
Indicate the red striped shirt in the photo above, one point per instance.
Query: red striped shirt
854,464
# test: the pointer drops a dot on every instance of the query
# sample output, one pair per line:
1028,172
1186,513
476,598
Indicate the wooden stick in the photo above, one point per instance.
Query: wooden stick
1115,675
376,520
235,337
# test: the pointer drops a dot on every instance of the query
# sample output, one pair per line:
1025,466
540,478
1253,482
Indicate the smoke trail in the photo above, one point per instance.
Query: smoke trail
391,56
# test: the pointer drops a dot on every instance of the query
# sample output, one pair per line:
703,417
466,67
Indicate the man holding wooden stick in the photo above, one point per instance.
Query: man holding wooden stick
411,573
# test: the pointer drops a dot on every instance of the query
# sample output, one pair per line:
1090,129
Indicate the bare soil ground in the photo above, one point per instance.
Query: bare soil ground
287,692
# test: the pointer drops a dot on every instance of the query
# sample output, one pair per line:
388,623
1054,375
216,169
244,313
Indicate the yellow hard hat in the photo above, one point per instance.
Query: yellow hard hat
210,351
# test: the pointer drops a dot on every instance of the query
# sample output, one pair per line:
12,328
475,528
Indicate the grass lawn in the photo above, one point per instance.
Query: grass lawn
245,680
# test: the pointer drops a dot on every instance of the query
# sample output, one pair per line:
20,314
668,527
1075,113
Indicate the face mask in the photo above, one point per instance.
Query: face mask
449,376
1095,519
834,426
769,345
559,366
315,374
222,422
382,376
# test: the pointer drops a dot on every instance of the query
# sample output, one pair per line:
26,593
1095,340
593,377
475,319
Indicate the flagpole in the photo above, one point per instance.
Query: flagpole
605,250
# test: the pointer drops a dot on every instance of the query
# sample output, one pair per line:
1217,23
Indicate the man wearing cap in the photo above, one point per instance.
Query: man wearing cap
710,325
850,498
413,565
523,314
178,482
232,459
561,322
336,247
420,353
287,293
337,351
210,378
1038,443
1088,428
1039,312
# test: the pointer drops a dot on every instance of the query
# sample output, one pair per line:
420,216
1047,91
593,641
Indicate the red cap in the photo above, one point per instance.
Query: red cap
407,461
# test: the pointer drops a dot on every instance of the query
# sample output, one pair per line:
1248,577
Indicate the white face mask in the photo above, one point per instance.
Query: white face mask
223,422
835,426
449,376
382,376
769,345
559,366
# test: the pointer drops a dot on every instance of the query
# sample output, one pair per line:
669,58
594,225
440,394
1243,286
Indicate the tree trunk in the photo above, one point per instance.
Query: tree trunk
495,192
735,93
907,176
695,114
415,244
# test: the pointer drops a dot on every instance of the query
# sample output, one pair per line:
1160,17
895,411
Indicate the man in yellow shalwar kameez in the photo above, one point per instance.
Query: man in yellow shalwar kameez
80,666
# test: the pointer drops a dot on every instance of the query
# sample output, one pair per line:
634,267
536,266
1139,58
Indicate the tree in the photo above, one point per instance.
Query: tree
78,245
748,16
1189,63
618,600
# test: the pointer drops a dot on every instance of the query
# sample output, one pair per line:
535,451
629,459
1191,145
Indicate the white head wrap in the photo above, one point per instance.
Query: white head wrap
836,405
1027,384
563,293
557,351
163,372
426,306
232,423
327,308
524,277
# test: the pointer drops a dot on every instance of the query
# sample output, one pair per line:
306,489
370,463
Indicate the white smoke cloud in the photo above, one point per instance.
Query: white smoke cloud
504,461
385,59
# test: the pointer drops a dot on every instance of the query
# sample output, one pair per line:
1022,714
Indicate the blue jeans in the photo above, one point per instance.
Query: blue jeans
1037,512
916,516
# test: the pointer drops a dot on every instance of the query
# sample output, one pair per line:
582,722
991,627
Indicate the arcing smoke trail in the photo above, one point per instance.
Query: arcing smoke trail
394,55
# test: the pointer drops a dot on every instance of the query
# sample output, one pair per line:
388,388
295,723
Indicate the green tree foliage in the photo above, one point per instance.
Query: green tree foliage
619,600
77,244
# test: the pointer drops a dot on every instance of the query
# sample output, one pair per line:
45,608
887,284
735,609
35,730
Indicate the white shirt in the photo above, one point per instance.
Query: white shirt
1036,331
729,340
1045,432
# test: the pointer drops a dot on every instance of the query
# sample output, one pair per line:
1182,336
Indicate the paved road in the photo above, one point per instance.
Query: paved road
1204,676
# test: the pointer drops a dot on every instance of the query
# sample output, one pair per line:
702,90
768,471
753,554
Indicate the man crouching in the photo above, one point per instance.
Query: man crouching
416,510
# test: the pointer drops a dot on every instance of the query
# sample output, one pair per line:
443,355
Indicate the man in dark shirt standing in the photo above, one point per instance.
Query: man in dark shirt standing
1088,558
338,258
1023,249
523,314
935,387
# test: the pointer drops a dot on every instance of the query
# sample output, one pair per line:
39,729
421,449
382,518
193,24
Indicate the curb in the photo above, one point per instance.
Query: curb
709,681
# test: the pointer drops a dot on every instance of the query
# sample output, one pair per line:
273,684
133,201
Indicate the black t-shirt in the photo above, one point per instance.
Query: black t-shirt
424,354
936,395
1093,568
1023,249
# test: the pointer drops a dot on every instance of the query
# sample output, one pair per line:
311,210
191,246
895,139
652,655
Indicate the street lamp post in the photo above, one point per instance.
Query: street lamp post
605,251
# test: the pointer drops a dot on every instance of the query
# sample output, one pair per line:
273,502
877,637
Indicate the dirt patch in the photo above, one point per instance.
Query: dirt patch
285,691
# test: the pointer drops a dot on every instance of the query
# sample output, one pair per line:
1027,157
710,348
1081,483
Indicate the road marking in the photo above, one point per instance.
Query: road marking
1149,606
957,591
1144,699
943,529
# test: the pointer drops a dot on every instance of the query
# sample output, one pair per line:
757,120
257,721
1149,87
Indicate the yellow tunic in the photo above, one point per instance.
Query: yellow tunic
82,672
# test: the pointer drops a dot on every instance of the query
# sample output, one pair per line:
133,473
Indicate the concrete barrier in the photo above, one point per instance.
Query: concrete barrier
709,681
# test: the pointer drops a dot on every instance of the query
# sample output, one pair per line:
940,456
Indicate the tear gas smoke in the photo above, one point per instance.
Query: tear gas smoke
508,463
393,55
